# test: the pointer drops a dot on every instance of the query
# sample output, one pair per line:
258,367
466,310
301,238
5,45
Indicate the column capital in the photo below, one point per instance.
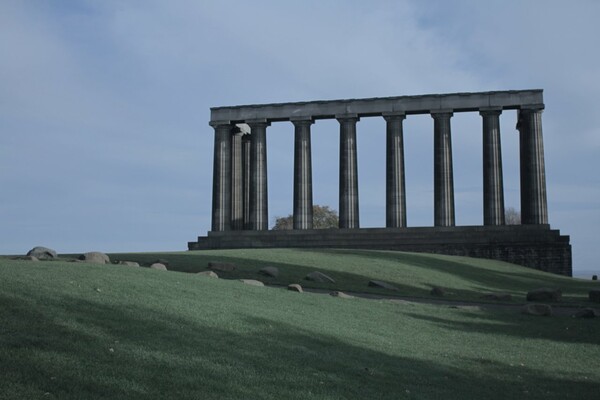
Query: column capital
444,113
216,124
532,108
347,117
302,121
257,122
394,115
484,111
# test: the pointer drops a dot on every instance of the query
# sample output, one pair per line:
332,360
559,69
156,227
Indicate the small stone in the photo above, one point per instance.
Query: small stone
129,263
383,285
210,274
159,266
594,295
544,294
252,282
294,287
221,266
537,309
270,271
585,313
162,261
437,291
497,296
341,295
42,253
95,257
317,276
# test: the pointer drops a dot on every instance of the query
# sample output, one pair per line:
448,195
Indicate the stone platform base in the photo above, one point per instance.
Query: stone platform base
533,246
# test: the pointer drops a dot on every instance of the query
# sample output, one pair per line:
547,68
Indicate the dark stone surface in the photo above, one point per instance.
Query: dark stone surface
437,291
543,310
585,313
544,294
294,287
594,295
533,246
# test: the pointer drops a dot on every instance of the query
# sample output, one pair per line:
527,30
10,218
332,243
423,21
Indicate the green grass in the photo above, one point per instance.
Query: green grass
413,273
79,331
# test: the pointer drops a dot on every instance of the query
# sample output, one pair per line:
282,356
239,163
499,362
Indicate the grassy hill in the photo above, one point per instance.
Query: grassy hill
77,330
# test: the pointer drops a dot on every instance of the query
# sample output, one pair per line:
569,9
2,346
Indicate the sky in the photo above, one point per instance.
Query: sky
104,108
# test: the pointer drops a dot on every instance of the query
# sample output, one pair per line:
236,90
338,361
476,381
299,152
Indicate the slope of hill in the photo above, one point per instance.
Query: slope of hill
77,330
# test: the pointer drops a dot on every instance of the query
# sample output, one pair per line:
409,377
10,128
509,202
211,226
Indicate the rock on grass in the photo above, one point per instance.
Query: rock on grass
95,257
544,294
543,310
294,287
42,253
317,276
159,266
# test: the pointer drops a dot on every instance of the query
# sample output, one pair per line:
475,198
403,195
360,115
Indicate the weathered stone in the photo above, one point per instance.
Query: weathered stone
437,291
294,287
317,276
585,313
252,282
42,253
159,266
270,271
537,309
383,285
161,261
497,296
129,263
221,266
544,294
210,274
95,257
594,295
341,295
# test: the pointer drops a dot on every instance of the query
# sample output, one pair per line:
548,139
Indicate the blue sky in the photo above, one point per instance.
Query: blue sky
104,108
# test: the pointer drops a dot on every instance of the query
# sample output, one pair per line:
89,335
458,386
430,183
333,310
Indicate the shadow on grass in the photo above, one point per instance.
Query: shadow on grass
156,354
566,330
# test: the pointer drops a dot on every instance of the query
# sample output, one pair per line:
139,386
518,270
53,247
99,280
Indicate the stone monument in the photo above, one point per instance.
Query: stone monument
239,203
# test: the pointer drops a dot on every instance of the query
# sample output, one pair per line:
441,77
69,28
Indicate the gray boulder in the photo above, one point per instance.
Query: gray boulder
294,287
543,310
42,253
159,266
383,285
317,276
210,274
586,313
497,296
544,294
269,271
162,261
129,263
221,266
594,295
252,282
95,257
341,295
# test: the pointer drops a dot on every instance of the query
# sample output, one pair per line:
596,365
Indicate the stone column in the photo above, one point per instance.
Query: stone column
237,194
246,180
348,172
493,188
534,208
221,201
443,185
395,189
259,213
303,196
